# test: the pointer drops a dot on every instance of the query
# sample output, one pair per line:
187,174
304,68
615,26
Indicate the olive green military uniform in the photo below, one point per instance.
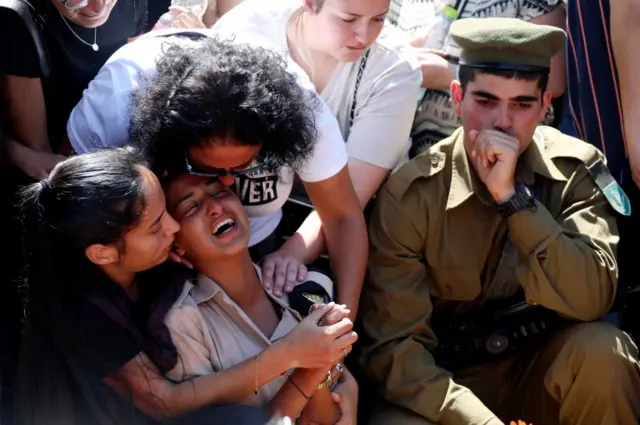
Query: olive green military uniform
436,240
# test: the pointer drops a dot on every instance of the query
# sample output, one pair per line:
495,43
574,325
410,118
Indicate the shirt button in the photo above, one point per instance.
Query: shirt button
434,160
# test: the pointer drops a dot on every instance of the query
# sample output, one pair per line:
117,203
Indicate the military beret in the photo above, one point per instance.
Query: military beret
506,43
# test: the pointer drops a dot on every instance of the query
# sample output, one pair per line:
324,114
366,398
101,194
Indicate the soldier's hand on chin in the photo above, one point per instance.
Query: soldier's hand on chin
494,155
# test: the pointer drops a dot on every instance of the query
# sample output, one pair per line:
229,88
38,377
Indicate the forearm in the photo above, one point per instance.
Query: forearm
15,150
345,232
35,164
321,409
229,386
224,6
348,247
625,32
308,243
441,78
557,76
347,254
28,112
210,15
291,401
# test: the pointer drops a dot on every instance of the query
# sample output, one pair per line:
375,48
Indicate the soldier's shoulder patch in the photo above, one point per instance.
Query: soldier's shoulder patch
611,189
561,145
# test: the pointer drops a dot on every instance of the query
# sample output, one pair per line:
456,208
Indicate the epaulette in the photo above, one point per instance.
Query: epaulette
425,165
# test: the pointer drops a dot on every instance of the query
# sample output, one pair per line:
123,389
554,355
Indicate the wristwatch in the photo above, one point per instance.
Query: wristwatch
521,200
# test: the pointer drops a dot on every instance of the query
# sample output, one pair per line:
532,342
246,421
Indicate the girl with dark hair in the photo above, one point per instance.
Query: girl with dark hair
95,347
239,112
225,319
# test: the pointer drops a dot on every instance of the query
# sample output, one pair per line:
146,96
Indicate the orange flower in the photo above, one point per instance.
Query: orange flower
519,423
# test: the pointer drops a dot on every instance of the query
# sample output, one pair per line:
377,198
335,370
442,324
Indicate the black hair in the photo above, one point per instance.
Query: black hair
467,74
213,89
93,198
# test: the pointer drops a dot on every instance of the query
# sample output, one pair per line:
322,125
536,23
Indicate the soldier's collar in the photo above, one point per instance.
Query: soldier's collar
534,161
465,182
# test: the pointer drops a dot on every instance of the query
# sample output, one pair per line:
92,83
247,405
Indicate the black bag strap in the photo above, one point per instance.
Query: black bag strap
363,64
35,25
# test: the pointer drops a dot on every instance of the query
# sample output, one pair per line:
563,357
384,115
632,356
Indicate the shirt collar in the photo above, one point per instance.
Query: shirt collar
206,289
465,182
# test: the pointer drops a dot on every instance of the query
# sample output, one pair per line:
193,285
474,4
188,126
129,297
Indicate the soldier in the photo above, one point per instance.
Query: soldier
502,208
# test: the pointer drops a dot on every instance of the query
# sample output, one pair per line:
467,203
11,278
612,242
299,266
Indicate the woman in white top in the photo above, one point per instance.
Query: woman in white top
369,78
225,318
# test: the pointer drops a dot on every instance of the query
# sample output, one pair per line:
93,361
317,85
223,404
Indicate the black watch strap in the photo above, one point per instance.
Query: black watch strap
521,200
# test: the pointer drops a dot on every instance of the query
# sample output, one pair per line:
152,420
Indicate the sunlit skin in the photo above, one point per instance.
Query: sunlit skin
348,27
94,14
214,236
146,245
201,205
499,116
222,156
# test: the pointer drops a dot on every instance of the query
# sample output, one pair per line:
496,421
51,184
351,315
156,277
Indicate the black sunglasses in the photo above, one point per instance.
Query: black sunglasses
224,173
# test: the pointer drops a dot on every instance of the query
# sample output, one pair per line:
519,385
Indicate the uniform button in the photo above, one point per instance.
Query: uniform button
447,289
434,160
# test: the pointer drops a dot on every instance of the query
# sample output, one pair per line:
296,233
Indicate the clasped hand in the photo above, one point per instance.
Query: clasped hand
495,155
321,339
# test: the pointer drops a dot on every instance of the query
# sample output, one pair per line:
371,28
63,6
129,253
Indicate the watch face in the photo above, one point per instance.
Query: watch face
520,188
522,199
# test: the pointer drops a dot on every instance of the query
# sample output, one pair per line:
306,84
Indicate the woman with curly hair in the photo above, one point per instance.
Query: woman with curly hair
369,76
238,112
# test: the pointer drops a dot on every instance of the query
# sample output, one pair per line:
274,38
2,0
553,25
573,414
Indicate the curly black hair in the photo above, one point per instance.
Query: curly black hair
213,88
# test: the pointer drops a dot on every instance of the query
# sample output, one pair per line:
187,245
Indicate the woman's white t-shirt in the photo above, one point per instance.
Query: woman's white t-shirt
101,120
387,95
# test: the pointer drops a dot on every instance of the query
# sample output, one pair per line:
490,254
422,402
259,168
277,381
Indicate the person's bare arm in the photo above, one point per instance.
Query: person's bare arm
226,5
310,241
33,163
366,179
625,33
292,401
160,398
339,216
216,8
558,74
29,147
28,112
306,346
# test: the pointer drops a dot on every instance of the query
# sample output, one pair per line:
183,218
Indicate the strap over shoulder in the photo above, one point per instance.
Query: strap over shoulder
34,24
